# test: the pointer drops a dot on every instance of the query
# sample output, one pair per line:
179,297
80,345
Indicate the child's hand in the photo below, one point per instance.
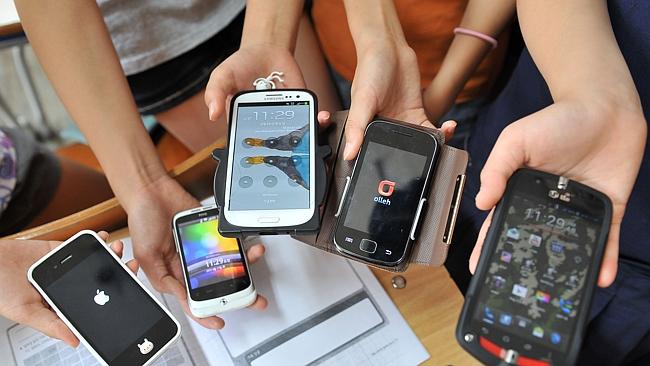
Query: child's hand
20,302
594,140
238,72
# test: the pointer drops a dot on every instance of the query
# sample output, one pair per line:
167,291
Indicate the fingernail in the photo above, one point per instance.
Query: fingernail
211,108
327,115
347,151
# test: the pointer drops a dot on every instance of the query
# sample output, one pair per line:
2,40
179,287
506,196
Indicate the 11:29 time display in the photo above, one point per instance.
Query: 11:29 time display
551,220
274,115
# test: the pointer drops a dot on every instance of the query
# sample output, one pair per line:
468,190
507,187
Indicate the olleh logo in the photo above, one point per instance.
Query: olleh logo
385,189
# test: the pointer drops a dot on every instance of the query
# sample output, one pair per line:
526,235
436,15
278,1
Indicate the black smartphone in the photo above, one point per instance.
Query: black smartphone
103,303
379,212
528,301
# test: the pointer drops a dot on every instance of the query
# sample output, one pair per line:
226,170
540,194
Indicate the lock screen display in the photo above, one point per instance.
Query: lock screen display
536,276
385,198
271,157
211,260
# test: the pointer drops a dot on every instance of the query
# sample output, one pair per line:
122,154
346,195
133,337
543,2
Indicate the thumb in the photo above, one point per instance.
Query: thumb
46,321
222,83
476,252
361,112
506,157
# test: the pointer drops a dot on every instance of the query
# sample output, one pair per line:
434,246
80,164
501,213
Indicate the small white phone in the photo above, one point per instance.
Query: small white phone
271,166
215,268
103,303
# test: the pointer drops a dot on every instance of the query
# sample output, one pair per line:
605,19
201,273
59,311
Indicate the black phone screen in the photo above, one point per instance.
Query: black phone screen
111,311
214,264
536,273
388,183
387,191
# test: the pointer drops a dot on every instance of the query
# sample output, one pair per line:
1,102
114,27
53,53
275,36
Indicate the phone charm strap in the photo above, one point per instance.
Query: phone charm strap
268,82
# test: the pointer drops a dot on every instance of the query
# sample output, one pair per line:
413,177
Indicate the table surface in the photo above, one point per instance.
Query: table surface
430,303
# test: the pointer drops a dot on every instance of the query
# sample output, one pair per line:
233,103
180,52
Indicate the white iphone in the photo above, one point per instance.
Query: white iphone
215,268
103,303
271,159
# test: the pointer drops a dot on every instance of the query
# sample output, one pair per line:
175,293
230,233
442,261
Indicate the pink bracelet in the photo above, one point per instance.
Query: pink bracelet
479,35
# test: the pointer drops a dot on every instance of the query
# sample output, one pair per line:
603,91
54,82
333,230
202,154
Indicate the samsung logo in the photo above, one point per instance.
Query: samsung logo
274,97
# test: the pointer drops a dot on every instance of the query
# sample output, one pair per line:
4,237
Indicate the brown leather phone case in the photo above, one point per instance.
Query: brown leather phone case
434,236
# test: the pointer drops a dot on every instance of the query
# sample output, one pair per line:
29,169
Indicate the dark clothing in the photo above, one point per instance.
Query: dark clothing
171,83
619,332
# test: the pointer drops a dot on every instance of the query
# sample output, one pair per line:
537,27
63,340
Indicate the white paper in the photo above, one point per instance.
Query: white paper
322,310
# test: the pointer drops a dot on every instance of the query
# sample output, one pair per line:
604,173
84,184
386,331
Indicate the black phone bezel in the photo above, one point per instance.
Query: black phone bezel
64,260
468,325
220,289
398,136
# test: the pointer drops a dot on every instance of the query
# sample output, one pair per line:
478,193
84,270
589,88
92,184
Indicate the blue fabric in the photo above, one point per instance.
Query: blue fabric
619,330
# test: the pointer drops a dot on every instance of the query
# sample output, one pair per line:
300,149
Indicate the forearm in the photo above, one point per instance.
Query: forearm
374,22
272,22
76,52
466,52
573,45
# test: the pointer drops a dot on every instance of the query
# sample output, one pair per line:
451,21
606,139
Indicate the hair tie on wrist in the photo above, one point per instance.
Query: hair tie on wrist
468,32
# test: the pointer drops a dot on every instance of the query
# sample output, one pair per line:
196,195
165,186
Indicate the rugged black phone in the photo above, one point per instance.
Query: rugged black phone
103,303
530,296
386,195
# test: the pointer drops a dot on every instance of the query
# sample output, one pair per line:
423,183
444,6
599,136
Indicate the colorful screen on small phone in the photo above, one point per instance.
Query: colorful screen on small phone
209,257
536,276
271,157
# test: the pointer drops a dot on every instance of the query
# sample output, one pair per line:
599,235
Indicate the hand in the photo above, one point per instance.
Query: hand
596,141
386,82
239,71
153,245
20,302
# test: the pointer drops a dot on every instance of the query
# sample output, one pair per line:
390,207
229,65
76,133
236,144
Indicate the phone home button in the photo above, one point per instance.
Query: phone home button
268,220
368,246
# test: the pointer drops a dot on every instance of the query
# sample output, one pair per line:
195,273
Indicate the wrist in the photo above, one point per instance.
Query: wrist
374,23
272,23
612,100
131,191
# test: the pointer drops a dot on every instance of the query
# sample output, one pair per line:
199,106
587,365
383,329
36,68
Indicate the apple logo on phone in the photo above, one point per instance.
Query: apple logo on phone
145,347
101,298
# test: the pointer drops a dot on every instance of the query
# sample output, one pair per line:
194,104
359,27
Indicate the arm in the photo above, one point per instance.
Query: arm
594,132
580,31
267,45
387,78
466,53
80,60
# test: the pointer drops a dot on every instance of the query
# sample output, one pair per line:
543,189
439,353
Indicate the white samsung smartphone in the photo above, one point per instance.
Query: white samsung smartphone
216,273
271,165
103,303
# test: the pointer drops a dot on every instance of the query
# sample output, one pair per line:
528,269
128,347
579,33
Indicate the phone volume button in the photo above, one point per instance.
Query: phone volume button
345,192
